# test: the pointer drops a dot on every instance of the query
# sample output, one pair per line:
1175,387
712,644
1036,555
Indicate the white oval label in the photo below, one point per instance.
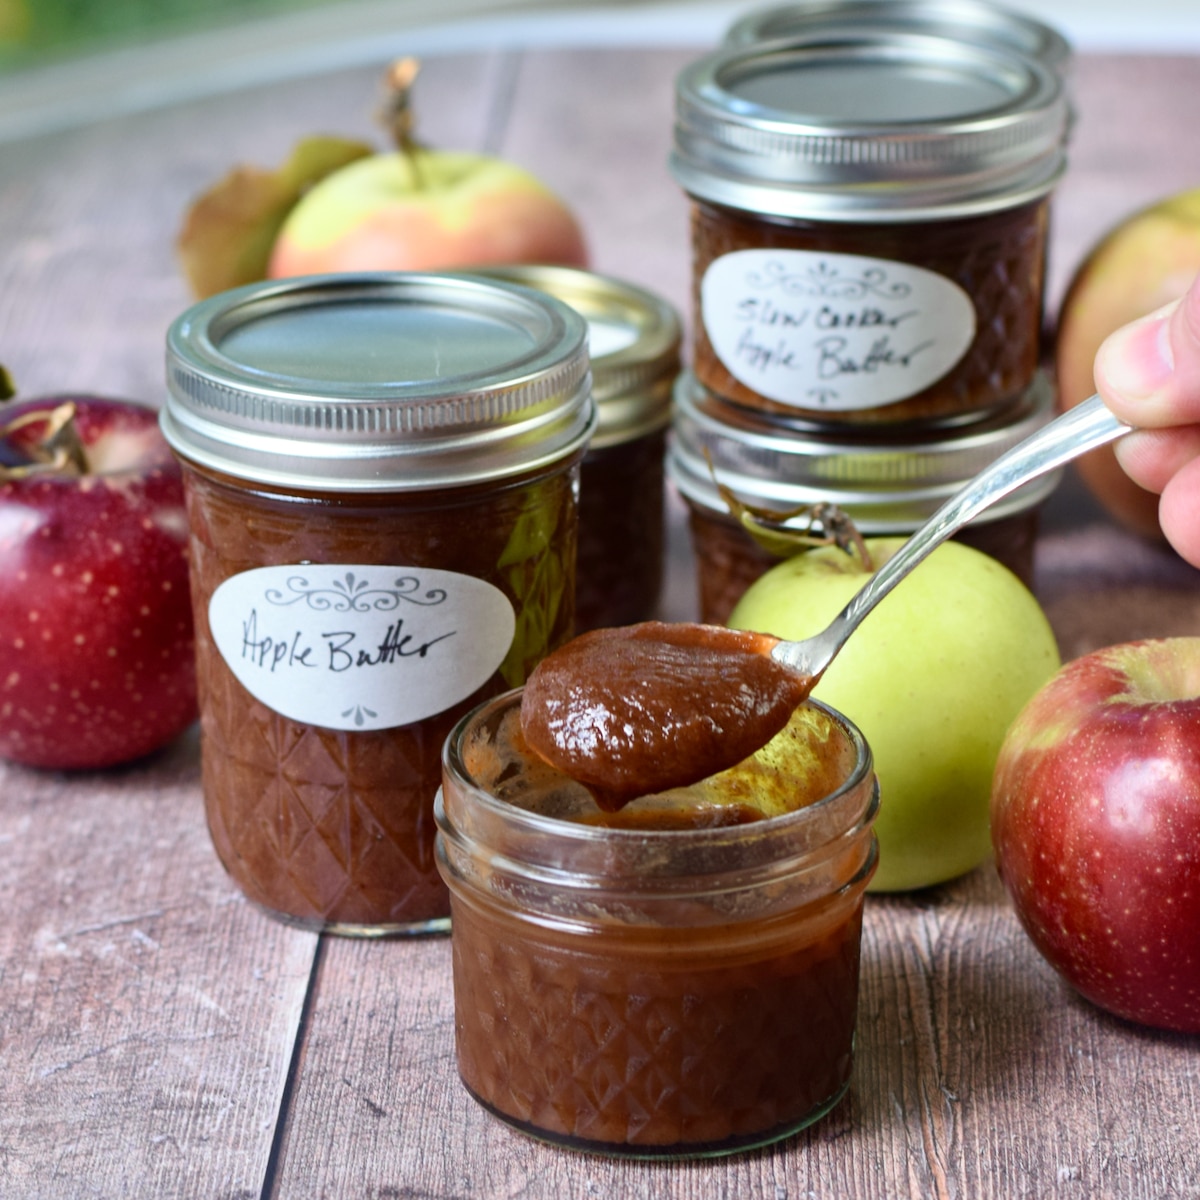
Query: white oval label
360,647
833,331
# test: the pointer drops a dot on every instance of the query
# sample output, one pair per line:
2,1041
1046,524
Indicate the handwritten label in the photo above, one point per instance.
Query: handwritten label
360,647
833,331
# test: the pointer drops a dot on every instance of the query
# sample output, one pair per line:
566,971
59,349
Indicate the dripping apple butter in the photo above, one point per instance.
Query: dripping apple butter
869,221
381,476
676,978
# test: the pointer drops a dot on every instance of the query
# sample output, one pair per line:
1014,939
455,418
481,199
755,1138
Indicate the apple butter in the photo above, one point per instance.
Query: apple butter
644,708
381,475
676,979
869,221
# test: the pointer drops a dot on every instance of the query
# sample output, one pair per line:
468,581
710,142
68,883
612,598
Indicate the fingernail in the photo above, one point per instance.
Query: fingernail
1137,360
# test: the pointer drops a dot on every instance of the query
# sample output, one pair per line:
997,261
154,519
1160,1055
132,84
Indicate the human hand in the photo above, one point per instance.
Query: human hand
1148,373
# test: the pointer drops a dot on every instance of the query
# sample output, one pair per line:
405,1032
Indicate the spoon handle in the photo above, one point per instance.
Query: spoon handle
1082,428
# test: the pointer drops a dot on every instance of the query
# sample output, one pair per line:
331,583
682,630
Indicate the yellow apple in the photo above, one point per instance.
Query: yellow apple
933,678
426,210
1147,261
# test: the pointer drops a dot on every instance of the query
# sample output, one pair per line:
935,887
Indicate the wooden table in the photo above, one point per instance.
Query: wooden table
160,1038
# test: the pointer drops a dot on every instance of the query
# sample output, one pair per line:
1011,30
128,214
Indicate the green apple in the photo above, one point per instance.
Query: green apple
933,678
424,209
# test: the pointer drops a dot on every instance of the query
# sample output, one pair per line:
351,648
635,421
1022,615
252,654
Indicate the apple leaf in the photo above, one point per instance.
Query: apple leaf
8,389
229,230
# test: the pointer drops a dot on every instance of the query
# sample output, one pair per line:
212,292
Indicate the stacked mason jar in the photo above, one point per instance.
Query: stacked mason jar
870,183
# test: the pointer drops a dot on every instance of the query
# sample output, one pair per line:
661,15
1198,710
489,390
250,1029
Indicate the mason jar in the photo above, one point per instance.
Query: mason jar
676,979
869,213
886,485
633,344
381,475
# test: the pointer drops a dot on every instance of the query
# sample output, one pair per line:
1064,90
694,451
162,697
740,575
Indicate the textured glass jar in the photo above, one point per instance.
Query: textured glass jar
869,221
381,475
633,343
657,983
887,486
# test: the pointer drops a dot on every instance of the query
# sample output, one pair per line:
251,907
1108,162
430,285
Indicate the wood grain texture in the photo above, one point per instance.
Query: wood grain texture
148,1013
160,1038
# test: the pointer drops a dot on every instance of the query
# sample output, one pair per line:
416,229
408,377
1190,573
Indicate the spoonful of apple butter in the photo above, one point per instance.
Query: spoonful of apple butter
641,709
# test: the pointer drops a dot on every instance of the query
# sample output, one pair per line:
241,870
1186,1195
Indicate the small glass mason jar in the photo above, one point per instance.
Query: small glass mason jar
381,475
633,342
887,486
869,213
660,982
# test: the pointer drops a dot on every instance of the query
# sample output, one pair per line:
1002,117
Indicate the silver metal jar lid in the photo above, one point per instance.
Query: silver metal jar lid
378,382
974,21
886,485
633,343
868,125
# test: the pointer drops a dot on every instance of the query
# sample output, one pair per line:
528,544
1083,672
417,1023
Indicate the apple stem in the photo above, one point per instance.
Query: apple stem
842,532
769,530
59,451
398,114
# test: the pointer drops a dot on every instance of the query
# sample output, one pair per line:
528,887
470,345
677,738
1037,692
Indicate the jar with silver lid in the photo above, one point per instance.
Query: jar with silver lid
633,343
972,21
381,475
869,220
886,486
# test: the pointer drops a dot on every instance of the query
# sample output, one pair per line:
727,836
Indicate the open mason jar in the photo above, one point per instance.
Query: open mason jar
676,979
381,475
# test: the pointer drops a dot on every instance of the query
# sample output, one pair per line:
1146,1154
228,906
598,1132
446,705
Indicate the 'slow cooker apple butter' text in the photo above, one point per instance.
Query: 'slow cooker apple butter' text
869,216
676,978
648,707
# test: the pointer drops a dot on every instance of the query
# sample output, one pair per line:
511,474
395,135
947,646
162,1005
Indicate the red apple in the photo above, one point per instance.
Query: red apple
96,657
426,210
1095,819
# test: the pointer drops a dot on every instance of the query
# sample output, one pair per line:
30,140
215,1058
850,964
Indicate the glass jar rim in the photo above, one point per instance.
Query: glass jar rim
791,825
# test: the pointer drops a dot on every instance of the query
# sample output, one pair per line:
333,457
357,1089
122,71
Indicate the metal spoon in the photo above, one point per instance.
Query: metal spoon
1083,428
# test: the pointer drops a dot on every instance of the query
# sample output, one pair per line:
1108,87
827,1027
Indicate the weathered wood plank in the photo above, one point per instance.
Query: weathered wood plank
148,1013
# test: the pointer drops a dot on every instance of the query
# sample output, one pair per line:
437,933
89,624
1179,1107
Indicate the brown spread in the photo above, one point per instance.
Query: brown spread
334,828
647,707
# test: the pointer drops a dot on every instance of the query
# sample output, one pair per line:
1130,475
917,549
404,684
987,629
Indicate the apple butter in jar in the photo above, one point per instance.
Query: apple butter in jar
675,978
888,486
869,220
633,344
381,475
